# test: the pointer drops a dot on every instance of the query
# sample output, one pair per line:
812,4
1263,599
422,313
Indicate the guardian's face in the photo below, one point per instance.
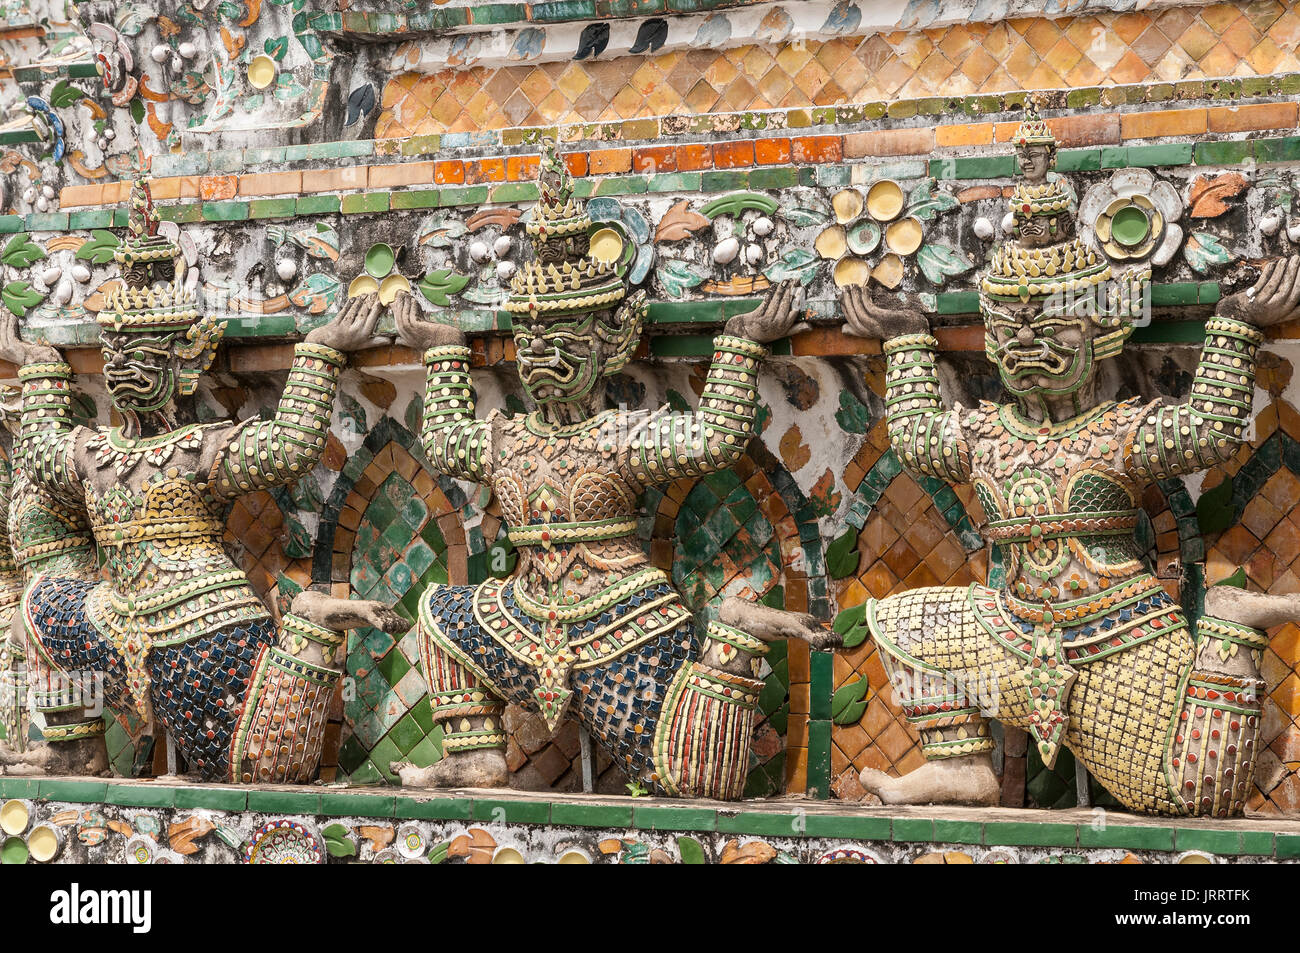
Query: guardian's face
1038,353
140,370
560,359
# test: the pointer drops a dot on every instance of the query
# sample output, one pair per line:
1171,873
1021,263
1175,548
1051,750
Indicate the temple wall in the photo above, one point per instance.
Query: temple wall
741,150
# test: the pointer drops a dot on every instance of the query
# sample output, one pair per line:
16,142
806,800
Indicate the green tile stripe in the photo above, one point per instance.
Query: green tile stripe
847,822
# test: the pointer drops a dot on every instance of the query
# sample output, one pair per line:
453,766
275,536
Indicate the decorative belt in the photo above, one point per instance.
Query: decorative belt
579,531
1081,610
123,534
174,595
592,606
29,554
1025,529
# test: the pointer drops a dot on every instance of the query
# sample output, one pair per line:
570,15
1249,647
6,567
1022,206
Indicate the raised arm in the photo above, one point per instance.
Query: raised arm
670,445
266,453
455,443
926,438
47,435
1208,427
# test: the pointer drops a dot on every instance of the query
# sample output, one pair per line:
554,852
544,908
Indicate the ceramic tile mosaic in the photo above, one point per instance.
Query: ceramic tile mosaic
1158,46
1264,540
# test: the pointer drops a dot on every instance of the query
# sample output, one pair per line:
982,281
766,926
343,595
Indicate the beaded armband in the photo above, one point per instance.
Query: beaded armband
456,443
1208,427
714,437
924,436
1227,638
45,441
279,451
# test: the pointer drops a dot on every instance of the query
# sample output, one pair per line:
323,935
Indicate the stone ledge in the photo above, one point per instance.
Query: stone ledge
786,818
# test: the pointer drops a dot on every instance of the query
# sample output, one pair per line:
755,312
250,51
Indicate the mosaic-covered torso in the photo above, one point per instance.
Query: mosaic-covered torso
1058,499
159,525
570,500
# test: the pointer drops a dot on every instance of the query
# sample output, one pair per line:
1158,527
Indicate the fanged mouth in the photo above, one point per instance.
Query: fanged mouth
1022,359
128,379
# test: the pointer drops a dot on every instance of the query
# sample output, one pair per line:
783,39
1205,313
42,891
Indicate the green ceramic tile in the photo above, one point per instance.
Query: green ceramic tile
1212,842
770,825
414,198
958,832
284,802
515,192
1287,846
819,759
1078,160
360,805
273,208
591,815
14,223
229,798
88,218
140,795
47,222
674,818
1167,154
436,809
225,211
673,182
365,203
76,792
317,204
1284,149
1030,834
463,195
1131,837
1257,842
519,812
919,829
977,167
20,787
782,178
848,826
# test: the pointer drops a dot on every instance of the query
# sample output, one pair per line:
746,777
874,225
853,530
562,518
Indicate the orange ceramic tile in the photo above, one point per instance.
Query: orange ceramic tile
521,168
270,183
967,134
1163,122
215,188
817,149
449,172
609,161
74,195
653,159
772,151
733,155
486,170
889,142
693,156
577,163
401,173
1280,115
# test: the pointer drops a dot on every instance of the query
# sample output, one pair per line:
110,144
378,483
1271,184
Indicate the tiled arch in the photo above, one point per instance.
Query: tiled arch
396,529
727,513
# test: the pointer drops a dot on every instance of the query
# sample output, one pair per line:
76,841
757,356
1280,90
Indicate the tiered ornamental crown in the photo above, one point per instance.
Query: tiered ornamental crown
1065,275
152,297
565,277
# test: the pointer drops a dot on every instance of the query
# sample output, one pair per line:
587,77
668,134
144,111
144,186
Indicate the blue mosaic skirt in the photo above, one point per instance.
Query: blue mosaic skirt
618,701
197,687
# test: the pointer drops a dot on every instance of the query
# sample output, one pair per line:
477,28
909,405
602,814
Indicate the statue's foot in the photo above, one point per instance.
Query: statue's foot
85,757
967,780
343,614
774,625
468,769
